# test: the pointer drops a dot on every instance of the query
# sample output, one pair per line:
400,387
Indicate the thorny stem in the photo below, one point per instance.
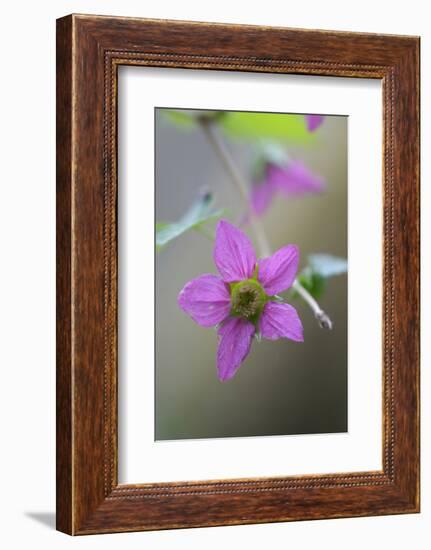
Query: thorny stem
210,130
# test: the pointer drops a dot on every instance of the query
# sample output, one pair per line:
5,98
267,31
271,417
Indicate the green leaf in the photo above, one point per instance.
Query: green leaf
278,126
273,152
327,265
198,214
313,282
160,226
184,119
188,119
268,151
246,125
320,268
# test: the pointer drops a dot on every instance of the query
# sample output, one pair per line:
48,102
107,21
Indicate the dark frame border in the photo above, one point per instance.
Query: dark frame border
89,51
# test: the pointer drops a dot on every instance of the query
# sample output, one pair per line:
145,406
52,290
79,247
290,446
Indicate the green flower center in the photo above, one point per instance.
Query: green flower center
247,299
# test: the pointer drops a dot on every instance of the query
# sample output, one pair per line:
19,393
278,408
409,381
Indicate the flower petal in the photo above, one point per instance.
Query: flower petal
233,253
206,299
278,272
313,122
261,196
295,179
234,346
280,321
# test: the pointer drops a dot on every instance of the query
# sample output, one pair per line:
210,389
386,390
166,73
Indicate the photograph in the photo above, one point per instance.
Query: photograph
250,273
214,238
237,272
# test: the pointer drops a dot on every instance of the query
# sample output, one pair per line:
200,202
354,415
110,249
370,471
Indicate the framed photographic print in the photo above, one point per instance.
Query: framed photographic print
237,274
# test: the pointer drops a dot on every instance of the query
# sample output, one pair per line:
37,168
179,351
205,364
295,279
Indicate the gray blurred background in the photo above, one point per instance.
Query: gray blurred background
283,387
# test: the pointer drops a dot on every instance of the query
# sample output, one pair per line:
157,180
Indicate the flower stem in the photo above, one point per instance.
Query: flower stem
210,130
322,318
220,148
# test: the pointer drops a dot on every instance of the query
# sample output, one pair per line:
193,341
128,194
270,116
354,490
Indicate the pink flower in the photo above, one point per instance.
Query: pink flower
242,301
314,121
292,179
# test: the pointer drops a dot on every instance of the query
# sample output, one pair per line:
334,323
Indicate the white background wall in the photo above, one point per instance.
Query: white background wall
27,280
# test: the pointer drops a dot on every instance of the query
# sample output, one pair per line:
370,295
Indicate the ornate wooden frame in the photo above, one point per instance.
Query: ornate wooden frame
89,51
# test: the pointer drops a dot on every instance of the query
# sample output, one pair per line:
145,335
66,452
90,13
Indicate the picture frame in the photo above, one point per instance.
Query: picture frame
89,51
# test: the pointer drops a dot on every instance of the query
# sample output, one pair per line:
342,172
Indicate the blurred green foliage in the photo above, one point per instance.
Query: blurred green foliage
201,212
319,269
273,126
248,125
